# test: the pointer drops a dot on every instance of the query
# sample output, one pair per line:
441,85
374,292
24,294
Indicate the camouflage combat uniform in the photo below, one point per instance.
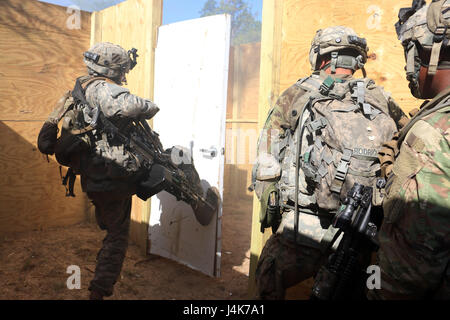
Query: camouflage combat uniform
109,171
415,236
290,257
109,187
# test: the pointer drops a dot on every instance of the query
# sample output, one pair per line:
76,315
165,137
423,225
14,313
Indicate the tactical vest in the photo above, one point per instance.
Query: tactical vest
344,123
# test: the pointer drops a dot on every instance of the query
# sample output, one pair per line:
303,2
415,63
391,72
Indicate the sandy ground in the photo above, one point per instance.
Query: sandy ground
33,265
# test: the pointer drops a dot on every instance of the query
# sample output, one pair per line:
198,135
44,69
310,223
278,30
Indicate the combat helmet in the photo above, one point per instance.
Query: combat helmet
347,49
110,60
424,28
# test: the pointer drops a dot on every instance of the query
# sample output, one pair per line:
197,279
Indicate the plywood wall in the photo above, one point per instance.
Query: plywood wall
41,55
242,124
373,20
288,29
133,23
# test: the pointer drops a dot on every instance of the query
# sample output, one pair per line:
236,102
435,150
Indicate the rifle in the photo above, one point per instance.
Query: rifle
344,275
160,173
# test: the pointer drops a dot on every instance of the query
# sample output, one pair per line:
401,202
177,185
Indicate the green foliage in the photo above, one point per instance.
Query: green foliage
245,27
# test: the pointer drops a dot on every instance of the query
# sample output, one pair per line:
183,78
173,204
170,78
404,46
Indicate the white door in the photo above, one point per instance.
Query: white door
191,77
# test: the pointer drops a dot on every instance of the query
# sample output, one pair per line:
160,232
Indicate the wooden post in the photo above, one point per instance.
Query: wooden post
268,93
134,24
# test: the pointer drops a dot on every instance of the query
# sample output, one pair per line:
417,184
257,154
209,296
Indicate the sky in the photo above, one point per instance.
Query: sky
173,10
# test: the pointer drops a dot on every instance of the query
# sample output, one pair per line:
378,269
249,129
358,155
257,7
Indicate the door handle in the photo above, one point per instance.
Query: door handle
209,153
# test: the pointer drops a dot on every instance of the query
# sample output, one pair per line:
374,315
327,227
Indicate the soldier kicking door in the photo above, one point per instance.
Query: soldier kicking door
191,75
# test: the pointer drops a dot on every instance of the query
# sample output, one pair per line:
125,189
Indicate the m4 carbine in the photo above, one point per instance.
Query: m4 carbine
344,275
160,173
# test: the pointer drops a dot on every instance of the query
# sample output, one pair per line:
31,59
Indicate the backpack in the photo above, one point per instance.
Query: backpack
73,139
79,142
342,125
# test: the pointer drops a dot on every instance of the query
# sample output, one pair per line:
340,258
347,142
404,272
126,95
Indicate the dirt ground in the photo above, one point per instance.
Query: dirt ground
33,266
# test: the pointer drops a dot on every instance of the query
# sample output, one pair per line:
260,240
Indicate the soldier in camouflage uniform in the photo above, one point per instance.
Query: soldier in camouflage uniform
321,137
415,236
108,170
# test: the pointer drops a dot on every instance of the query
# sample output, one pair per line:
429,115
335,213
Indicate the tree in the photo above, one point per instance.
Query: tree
245,27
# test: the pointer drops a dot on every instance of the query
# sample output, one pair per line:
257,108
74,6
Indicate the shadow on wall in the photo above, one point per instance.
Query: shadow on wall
31,194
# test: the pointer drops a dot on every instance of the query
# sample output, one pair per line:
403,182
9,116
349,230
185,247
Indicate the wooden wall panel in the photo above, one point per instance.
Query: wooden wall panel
35,15
372,20
242,121
36,70
31,194
133,23
40,59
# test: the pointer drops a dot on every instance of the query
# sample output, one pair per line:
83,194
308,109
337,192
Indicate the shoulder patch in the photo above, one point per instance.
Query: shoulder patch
115,89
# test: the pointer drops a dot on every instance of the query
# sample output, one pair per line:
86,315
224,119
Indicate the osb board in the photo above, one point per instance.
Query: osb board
242,114
40,59
31,194
371,20
133,24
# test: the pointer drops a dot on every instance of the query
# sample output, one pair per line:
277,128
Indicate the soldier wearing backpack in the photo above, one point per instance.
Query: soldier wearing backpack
321,137
415,236
108,169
